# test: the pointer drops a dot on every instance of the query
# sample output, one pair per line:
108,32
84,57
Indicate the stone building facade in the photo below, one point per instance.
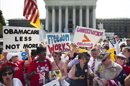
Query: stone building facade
67,14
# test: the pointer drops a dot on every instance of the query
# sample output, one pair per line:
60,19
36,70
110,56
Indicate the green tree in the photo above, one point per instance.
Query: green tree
2,23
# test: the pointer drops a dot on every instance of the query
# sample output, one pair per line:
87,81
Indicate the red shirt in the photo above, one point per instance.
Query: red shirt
19,70
126,69
39,68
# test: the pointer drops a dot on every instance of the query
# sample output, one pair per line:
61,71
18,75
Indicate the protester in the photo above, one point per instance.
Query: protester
121,46
126,52
106,48
126,66
105,45
117,43
19,65
120,59
107,72
94,60
98,47
58,64
79,72
38,71
7,76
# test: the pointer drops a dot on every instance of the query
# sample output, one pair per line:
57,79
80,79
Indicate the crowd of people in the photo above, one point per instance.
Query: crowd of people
98,65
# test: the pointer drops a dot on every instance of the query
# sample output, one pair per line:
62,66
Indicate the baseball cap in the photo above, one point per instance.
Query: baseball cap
121,55
10,55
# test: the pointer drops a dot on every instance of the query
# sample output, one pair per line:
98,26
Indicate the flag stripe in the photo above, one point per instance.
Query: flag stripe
31,10
26,3
33,14
36,16
28,12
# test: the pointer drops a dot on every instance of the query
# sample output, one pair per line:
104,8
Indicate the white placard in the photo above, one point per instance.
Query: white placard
64,83
58,41
19,38
87,37
53,83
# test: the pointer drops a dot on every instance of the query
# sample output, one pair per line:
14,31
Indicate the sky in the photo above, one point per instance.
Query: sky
13,9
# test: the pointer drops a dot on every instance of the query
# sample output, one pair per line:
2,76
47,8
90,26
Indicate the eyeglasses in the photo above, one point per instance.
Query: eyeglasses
5,74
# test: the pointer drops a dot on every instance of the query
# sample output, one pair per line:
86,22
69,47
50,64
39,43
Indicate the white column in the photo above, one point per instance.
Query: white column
60,18
53,19
74,17
47,19
94,18
87,16
80,16
66,17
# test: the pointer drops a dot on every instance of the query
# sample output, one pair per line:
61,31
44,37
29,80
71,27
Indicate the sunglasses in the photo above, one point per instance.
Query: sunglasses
5,74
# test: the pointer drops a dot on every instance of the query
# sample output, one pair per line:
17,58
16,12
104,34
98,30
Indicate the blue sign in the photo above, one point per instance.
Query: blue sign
24,55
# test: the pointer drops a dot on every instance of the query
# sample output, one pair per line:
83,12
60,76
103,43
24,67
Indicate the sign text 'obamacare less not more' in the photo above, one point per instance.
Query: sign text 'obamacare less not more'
19,38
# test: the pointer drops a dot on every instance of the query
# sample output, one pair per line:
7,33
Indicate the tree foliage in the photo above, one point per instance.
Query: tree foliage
2,23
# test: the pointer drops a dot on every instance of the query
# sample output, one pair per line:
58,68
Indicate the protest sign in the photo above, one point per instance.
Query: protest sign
58,41
20,38
87,37
53,83
64,83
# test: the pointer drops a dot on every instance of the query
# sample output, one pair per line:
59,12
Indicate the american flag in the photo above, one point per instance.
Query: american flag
31,11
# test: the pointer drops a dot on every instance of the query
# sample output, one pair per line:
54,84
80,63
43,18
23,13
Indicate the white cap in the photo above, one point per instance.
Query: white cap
121,55
10,55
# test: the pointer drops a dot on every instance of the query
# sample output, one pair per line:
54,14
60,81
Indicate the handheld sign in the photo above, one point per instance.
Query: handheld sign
58,41
87,37
19,38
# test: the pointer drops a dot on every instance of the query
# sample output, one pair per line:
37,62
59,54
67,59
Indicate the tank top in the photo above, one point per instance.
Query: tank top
80,72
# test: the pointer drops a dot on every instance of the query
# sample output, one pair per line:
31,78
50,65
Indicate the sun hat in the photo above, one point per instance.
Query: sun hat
121,55
10,55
